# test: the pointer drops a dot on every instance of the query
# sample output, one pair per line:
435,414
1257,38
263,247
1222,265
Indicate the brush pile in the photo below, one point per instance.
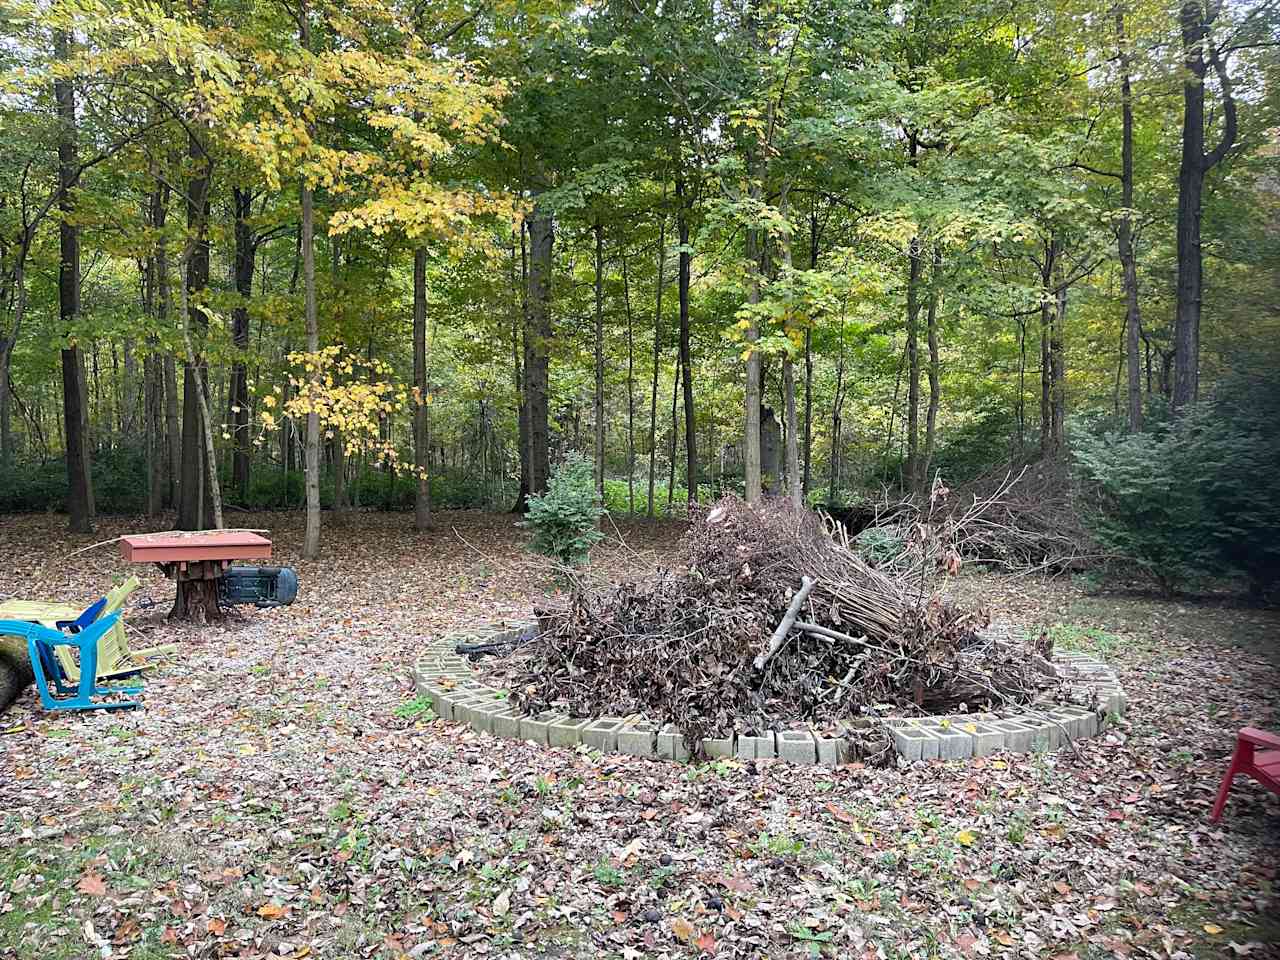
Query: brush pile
1024,519
767,619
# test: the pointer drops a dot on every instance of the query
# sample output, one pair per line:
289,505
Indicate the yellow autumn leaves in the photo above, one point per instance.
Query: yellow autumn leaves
353,398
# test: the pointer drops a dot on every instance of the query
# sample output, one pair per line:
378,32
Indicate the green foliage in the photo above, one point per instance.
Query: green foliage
565,518
1196,497
970,449
119,483
880,546
1150,513
419,708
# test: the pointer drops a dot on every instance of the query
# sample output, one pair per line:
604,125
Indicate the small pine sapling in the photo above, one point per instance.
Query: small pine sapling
566,518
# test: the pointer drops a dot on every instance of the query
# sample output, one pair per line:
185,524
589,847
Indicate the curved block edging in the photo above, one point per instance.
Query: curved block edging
456,694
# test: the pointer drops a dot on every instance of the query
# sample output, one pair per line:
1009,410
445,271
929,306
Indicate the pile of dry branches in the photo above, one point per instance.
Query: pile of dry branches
766,619
1023,520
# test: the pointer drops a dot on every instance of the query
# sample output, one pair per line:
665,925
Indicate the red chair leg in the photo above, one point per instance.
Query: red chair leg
1238,765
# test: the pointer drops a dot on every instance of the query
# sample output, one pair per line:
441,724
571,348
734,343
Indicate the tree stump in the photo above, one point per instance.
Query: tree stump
15,670
197,597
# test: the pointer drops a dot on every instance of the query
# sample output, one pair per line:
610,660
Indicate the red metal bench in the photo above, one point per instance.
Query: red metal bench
1257,755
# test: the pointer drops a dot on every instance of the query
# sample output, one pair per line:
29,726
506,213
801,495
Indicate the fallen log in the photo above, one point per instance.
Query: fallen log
15,671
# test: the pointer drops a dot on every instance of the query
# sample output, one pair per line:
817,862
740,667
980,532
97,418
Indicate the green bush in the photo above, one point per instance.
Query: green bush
1196,497
565,518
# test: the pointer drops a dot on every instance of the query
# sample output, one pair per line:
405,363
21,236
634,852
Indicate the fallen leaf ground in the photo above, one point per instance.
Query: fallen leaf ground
283,794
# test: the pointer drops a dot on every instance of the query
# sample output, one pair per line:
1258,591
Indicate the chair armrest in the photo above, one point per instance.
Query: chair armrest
1260,738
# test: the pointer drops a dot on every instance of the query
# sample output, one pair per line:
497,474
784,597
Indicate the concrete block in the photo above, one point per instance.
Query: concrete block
953,744
638,738
1075,720
484,711
797,746
1017,735
913,741
719,748
466,709
832,751
760,747
986,738
506,723
567,732
534,727
602,734
441,702
671,745
428,674
1045,735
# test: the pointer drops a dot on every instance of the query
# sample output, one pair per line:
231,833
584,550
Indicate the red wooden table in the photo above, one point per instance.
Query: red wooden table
196,562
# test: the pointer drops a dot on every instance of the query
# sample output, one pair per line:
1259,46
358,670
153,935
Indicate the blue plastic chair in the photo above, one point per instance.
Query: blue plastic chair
65,695
90,614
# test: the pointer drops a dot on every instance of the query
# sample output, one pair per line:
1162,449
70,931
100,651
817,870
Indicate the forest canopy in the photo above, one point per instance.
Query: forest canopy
379,253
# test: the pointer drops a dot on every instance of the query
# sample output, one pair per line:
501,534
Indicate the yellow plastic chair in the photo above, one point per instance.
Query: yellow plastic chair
115,658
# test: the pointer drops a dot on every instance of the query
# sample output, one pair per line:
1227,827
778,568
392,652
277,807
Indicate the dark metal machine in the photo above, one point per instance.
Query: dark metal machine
261,586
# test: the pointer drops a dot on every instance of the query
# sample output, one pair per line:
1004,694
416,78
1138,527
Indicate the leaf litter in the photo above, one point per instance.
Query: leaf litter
270,769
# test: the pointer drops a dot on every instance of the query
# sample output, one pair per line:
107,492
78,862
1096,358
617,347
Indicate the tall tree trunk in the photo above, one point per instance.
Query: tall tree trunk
1048,300
422,492
6,416
751,391
598,230
311,535
129,391
75,415
153,405
675,436
195,504
836,411
913,365
1197,54
1124,235
686,367
518,337
657,344
537,345
631,390
935,380
791,449
806,481
1058,363
238,399
172,432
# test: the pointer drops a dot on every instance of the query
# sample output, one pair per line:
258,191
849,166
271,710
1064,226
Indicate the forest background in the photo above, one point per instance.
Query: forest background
406,255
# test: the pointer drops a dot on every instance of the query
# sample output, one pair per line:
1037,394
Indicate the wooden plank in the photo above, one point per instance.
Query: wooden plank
215,545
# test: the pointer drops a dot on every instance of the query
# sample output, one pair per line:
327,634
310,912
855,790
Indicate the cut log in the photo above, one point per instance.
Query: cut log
15,670
788,620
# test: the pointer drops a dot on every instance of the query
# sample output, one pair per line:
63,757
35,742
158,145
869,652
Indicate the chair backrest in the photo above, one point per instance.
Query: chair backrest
89,616
117,595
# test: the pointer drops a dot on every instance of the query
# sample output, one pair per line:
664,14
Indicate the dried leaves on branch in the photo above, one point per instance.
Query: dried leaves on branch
682,646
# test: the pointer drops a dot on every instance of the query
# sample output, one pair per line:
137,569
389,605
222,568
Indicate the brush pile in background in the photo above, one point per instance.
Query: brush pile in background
768,619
